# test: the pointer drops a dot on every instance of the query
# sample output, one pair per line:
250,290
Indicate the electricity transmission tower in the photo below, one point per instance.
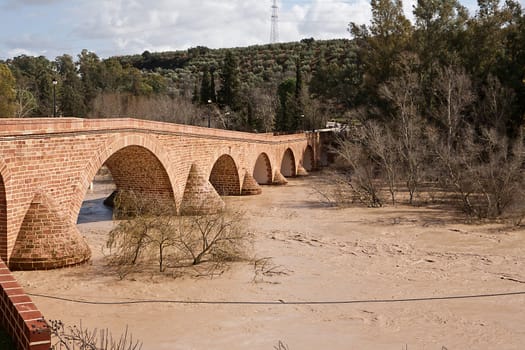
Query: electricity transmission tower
274,33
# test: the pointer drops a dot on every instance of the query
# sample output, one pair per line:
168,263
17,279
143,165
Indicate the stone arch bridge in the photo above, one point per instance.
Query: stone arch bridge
47,164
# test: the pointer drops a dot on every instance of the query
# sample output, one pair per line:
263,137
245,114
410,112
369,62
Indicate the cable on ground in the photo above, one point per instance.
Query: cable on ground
277,302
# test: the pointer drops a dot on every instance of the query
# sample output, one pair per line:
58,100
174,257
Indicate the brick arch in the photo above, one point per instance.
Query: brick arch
262,170
308,158
224,176
136,169
125,147
288,167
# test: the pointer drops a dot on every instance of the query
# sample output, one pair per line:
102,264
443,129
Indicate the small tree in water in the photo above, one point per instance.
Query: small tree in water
151,231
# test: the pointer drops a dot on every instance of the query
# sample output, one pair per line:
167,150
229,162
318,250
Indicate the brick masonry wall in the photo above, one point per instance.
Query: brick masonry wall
19,316
58,158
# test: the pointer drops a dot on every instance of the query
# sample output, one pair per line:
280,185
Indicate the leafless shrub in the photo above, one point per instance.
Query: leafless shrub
148,227
406,138
176,109
482,167
335,188
484,173
153,232
363,170
264,267
381,145
281,346
78,338
217,236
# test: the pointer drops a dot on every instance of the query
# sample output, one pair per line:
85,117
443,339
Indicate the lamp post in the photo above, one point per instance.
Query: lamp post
54,98
209,114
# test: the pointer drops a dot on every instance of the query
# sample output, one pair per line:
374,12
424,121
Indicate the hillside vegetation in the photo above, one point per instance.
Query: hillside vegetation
293,86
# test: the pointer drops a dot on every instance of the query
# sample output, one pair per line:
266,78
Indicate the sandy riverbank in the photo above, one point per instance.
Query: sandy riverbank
325,254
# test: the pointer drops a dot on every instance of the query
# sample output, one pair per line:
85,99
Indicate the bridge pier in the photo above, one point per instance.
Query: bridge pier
279,179
250,186
301,171
47,240
199,195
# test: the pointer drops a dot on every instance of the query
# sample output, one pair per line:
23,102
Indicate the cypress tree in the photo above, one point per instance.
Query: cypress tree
205,86
230,83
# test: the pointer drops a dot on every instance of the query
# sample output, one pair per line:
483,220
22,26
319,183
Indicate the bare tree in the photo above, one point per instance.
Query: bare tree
405,94
147,224
496,105
363,170
25,103
174,109
218,236
380,144
265,104
152,231
454,93
483,167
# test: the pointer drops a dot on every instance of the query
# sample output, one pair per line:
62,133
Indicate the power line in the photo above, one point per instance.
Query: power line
280,301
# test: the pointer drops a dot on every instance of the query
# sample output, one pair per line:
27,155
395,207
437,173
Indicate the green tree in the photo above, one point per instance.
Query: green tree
7,92
230,83
213,91
381,44
70,96
91,72
205,92
286,119
133,81
35,74
439,30
112,74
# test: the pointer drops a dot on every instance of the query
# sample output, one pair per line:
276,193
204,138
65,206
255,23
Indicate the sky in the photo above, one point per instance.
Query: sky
120,27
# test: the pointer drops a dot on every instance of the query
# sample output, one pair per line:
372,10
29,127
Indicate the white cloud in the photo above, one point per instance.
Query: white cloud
113,27
22,51
141,24
135,26
329,19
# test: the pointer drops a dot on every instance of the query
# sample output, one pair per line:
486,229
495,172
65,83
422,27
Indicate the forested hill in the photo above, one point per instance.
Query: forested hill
257,64
447,67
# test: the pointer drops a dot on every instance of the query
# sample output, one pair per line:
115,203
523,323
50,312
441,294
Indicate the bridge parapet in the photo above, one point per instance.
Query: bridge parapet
47,126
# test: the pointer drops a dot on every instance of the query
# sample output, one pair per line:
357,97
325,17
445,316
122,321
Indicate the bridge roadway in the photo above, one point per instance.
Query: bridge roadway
47,164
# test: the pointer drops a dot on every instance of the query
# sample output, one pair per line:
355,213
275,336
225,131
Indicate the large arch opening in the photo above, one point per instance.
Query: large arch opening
288,164
308,158
262,172
224,177
131,170
3,220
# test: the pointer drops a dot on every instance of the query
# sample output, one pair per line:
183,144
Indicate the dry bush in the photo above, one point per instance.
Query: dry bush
363,170
147,230
485,173
153,233
176,109
218,237
78,338
337,190
264,267
281,346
